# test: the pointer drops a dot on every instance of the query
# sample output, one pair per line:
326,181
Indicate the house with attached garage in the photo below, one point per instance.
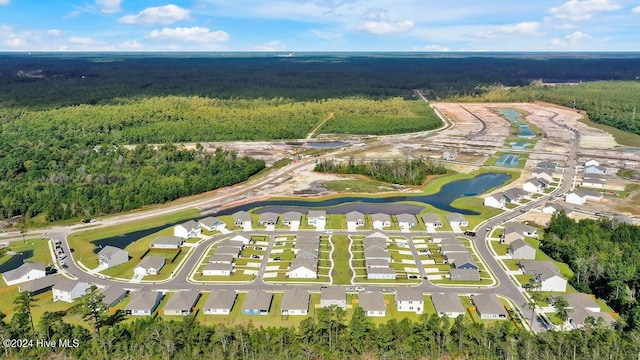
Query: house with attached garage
409,300
545,274
489,307
221,259
582,307
69,290
381,273
516,231
182,303
219,302
242,219
167,242
380,220
542,174
432,219
212,224
591,162
372,302
143,303
302,268
520,249
447,249
496,200
291,218
374,242
534,185
513,195
39,285
377,263
25,272
595,170
257,302
111,256
552,208
217,269
456,219
228,250
150,265
317,218
236,242
407,221
461,261
187,230
355,219
113,295
268,218
295,302
376,253
594,182
581,196
448,305
464,274
330,296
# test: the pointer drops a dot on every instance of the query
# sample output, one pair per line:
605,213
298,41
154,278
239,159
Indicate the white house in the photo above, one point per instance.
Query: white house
111,256
150,265
431,219
291,218
25,272
355,219
407,221
295,302
68,290
330,296
594,182
381,221
217,269
595,170
302,268
520,249
456,219
239,238
591,162
381,273
552,208
212,224
545,274
372,302
581,196
534,185
189,229
220,302
268,218
167,242
409,300
315,217
496,200
542,174
143,303
447,305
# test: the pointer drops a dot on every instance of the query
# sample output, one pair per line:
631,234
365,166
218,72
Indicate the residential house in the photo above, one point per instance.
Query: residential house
594,182
489,307
150,265
456,219
517,231
377,263
547,165
543,174
513,195
377,234
39,285
461,261
552,208
257,302
581,196
220,302
450,241
464,274
520,249
371,242
143,303
221,259
449,155
295,302
268,218
113,295
25,272
230,243
167,242
407,221
355,219
381,220
582,307
69,290
189,229
432,220
409,300
448,305
317,217
376,253
212,224
291,218
302,268
111,256
447,249
240,239
242,219
534,185
381,273
227,250
545,274
497,200
372,302
217,269
595,170
182,303
591,162
330,296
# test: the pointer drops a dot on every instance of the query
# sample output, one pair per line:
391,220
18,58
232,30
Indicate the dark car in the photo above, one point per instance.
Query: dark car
470,233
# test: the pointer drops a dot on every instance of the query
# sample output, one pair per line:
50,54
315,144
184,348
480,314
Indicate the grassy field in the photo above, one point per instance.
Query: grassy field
82,241
362,184
341,270
34,250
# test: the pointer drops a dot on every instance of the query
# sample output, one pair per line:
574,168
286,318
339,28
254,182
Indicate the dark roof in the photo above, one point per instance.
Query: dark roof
40,284
220,299
113,293
295,299
372,301
409,294
257,299
142,300
488,304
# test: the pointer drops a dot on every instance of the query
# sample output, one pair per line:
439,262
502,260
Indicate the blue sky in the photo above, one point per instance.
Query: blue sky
319,25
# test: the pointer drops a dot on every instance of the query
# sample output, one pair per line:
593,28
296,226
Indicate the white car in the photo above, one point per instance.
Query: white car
62,256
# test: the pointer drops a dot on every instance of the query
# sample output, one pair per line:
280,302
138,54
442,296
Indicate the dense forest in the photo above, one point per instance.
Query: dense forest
405,172
71,180
606,102
604,257
328,335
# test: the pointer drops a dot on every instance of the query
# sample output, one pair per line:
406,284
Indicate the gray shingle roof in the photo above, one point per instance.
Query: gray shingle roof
333,293
22,270
68,285
464,274
108,251
167,240
355,216
218,267
142,300
488,304
372,301
380,217
447,303
182,300
257,300
292,216
241,216
430,218
152,262
381,271
189,225
295,299
317,213
223,258
519,244
40,284
409,294
210,221
311,264
220,299
408,218
112,294
455,217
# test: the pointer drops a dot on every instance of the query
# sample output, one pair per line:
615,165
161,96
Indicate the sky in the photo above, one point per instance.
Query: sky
319,25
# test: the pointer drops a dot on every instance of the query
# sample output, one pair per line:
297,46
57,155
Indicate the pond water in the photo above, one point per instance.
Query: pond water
16,260
340,205
326,144
519,145
633,150
512,115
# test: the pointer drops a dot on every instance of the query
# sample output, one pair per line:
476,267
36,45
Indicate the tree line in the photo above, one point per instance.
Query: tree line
604,258
405,172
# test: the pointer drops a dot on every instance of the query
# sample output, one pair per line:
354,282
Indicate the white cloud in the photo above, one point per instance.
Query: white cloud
385,27
72,14
435,48
193,35
569,41
80,40
54,32
274,45
636,10
109,6
577,10
131,45
326,35
523,28
163,15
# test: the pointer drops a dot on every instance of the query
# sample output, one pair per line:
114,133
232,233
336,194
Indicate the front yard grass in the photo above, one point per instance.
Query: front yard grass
341,270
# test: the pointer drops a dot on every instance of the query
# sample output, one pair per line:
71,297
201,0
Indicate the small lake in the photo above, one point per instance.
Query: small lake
341,205
326,144
512,115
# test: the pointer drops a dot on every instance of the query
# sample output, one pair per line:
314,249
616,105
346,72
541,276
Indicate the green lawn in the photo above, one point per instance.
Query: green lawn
38,248
362,184
500,249
341,270
82,241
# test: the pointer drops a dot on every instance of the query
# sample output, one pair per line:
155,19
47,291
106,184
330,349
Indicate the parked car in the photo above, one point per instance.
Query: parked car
62,256
359,289
255,257
277,258
470,233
